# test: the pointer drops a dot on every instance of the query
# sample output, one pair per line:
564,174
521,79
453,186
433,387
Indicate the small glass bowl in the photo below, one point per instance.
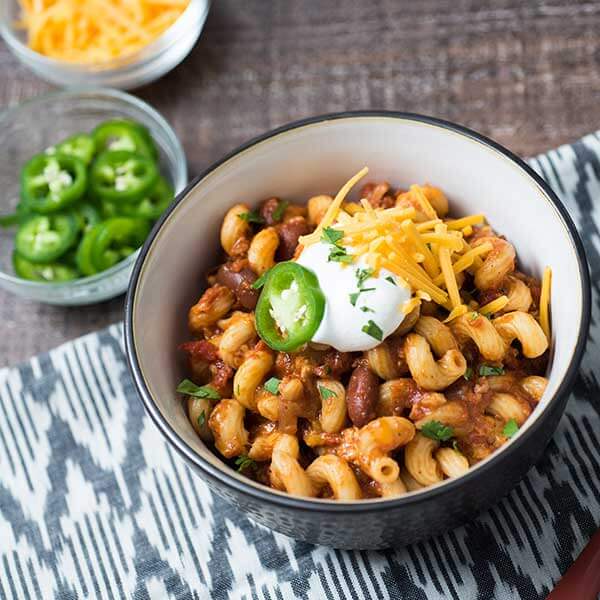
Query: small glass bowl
148,64
35,125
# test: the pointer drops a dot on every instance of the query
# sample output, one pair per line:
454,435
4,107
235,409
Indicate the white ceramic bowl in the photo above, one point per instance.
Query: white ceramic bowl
317,156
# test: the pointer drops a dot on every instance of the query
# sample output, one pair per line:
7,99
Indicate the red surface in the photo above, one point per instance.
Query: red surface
582,580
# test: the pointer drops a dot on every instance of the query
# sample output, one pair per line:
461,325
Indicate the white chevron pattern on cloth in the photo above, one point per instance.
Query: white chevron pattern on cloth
93,504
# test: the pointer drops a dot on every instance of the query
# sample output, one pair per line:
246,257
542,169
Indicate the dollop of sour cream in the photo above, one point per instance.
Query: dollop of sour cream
378,307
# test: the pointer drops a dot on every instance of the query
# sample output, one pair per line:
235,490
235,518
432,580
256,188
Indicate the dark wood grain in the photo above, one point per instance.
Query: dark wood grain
525,73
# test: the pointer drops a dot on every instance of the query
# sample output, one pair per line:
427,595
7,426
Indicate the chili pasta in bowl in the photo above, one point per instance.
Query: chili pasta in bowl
352,357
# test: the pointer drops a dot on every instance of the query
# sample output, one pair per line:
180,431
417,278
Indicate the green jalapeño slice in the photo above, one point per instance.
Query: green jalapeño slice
80,145
122,176
44,238
52,182
290,308
120,134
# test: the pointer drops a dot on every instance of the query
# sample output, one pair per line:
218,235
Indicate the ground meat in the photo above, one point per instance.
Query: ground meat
489,295
267,208
475,394
377,195
220,376
334,364
200,350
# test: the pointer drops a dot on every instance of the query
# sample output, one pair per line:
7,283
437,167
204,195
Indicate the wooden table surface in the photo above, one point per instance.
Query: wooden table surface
525,73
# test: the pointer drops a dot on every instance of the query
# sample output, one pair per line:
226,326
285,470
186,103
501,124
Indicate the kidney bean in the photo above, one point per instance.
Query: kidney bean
289,232
239,281
362,394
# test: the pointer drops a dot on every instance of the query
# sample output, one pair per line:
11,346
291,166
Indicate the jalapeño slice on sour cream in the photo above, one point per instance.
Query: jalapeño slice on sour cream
290,307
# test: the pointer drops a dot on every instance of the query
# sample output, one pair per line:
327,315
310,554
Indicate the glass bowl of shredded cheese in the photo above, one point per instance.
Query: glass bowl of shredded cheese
108,43
35,126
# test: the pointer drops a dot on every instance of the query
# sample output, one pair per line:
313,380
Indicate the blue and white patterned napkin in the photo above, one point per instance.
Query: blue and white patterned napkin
93,503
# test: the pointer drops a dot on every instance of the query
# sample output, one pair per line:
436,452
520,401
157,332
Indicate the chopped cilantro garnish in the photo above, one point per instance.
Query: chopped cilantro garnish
260,281
325,392
510,428
488,370
251,216
366,309
278,212
391,280
354,296
191,389
272,385
201,419
244,462
362,275
437,431
372,329
331,235
339,254
468,373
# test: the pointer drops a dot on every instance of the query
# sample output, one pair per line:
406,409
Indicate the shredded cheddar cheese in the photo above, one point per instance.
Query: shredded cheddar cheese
96,31
457,311
410,305
409,240
494,306
333,209
545,301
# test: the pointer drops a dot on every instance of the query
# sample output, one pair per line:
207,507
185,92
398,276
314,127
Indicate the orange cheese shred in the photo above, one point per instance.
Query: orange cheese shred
95,31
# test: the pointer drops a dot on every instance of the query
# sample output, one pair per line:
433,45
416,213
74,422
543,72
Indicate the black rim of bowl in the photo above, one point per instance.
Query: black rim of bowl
265,494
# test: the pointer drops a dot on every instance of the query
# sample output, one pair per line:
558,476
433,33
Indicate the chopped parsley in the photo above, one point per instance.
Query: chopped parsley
331,235
191,389
391,280
488,370
326,393
260,281
278,212
272,385
473,316
468,373
201,419
362,275
366,309
354,296
372,329
437,431
244,462
510,428
251,216
339,254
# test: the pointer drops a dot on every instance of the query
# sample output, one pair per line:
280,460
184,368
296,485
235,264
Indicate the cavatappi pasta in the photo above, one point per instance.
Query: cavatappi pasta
457,378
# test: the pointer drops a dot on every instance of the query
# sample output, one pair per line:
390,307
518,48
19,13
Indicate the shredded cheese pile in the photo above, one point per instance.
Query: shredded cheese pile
96,31
416,245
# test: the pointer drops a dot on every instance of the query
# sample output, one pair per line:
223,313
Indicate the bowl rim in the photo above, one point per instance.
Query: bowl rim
140,57
180,177
272,497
